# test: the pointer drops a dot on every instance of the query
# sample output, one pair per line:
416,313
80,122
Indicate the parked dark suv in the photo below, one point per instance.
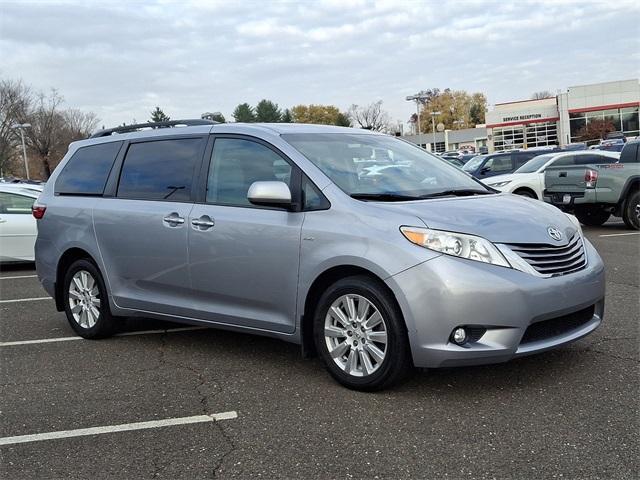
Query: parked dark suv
484,166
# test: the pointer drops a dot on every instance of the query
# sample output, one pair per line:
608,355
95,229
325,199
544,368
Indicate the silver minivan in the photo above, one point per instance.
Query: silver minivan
362,248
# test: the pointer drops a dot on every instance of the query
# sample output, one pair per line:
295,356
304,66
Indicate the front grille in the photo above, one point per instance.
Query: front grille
551,260
558,326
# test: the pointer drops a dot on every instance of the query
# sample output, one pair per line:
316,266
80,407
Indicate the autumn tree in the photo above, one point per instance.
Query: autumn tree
595,130
244,113
370,117
268,112
541,95
455,109
158,115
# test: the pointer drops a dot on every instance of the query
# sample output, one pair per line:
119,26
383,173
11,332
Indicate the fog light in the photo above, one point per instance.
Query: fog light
459,335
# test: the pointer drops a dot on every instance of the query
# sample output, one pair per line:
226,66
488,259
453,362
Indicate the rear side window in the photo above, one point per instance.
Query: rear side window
11,203
630,153
87,170
160,170
501,163
522,158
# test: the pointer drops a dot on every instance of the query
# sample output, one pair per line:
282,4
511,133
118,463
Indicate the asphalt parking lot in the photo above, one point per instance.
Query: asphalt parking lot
570,413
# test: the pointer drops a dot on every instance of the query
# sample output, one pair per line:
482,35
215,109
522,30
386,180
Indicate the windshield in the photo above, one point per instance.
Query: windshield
473,164
364,164
535,164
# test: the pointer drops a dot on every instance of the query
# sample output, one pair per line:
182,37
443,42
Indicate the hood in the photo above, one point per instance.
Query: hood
501,218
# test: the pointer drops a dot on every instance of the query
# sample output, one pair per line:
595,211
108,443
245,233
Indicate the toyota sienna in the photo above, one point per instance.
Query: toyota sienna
361,247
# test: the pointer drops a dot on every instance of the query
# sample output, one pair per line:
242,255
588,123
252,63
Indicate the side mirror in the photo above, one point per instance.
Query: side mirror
269,194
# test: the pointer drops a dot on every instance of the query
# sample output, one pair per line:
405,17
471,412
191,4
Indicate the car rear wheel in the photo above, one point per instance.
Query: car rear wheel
631,213
86,303
593,217
360,335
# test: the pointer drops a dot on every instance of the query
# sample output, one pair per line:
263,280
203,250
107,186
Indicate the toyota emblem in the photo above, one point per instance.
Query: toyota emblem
554,233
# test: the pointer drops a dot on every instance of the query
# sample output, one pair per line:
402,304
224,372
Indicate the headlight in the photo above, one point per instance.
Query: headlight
499,184
455,244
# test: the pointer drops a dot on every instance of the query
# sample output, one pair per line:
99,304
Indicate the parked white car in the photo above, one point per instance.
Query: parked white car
528,180
17,226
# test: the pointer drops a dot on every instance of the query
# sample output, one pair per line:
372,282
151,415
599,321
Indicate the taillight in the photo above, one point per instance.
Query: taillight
37,210
590,178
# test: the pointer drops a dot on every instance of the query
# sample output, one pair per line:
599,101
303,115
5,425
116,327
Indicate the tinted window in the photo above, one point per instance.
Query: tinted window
236,164
522,158
12,203
160,170
501,163
593,158
630,153
87,170
564,161
473,164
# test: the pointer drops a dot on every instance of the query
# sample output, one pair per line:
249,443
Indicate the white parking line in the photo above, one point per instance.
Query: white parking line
124,334
35,299
18,276
125,427
619,234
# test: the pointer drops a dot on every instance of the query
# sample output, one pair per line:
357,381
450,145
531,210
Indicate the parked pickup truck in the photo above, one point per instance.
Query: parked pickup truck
595,192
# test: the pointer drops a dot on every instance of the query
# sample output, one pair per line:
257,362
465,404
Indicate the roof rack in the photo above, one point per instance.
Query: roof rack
152,125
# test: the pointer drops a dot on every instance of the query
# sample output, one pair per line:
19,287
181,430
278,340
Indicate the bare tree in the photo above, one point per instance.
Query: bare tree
370,117
541,94
79,124
15,100
46,134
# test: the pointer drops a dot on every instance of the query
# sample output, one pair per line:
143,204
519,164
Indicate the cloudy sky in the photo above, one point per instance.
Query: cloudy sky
121,59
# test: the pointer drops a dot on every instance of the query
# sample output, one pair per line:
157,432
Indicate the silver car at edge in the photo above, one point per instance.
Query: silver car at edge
365,249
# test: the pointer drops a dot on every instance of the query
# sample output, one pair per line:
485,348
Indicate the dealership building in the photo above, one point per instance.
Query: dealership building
558,120
546,122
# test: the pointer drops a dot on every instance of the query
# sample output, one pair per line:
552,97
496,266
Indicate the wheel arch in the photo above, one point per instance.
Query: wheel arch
66,259
524,188
317,288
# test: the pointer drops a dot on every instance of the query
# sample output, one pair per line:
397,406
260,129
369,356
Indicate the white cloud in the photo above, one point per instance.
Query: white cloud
120,59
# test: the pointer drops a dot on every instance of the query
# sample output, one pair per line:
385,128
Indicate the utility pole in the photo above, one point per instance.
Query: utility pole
21,127
433,126
419,98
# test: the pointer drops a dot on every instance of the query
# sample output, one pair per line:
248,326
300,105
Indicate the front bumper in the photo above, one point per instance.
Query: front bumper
441,294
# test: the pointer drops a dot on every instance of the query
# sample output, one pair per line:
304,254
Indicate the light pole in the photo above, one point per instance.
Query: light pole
419,98
21,127
433,126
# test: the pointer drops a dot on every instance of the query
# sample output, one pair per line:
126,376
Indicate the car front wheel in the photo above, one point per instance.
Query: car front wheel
86,303
361,336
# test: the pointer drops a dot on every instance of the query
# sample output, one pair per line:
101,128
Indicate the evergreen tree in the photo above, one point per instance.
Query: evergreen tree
159,116
268,112
244,113
342,120
287,117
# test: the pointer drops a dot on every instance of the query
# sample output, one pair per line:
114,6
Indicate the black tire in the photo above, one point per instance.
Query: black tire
631,212
526,193
397,359
105,323
593,217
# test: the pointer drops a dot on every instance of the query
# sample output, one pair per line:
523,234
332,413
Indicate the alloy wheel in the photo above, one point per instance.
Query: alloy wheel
355,335
84,299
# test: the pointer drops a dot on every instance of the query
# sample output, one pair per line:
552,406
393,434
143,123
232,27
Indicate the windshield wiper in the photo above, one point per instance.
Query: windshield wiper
461,192
383,197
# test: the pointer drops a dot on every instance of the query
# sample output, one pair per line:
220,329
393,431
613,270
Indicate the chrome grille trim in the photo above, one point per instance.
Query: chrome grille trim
548,260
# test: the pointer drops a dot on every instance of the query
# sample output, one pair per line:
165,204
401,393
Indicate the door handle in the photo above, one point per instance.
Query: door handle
173,219
203,223
562,174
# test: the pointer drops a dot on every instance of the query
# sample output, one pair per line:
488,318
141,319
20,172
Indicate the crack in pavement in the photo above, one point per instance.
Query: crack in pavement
204,405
